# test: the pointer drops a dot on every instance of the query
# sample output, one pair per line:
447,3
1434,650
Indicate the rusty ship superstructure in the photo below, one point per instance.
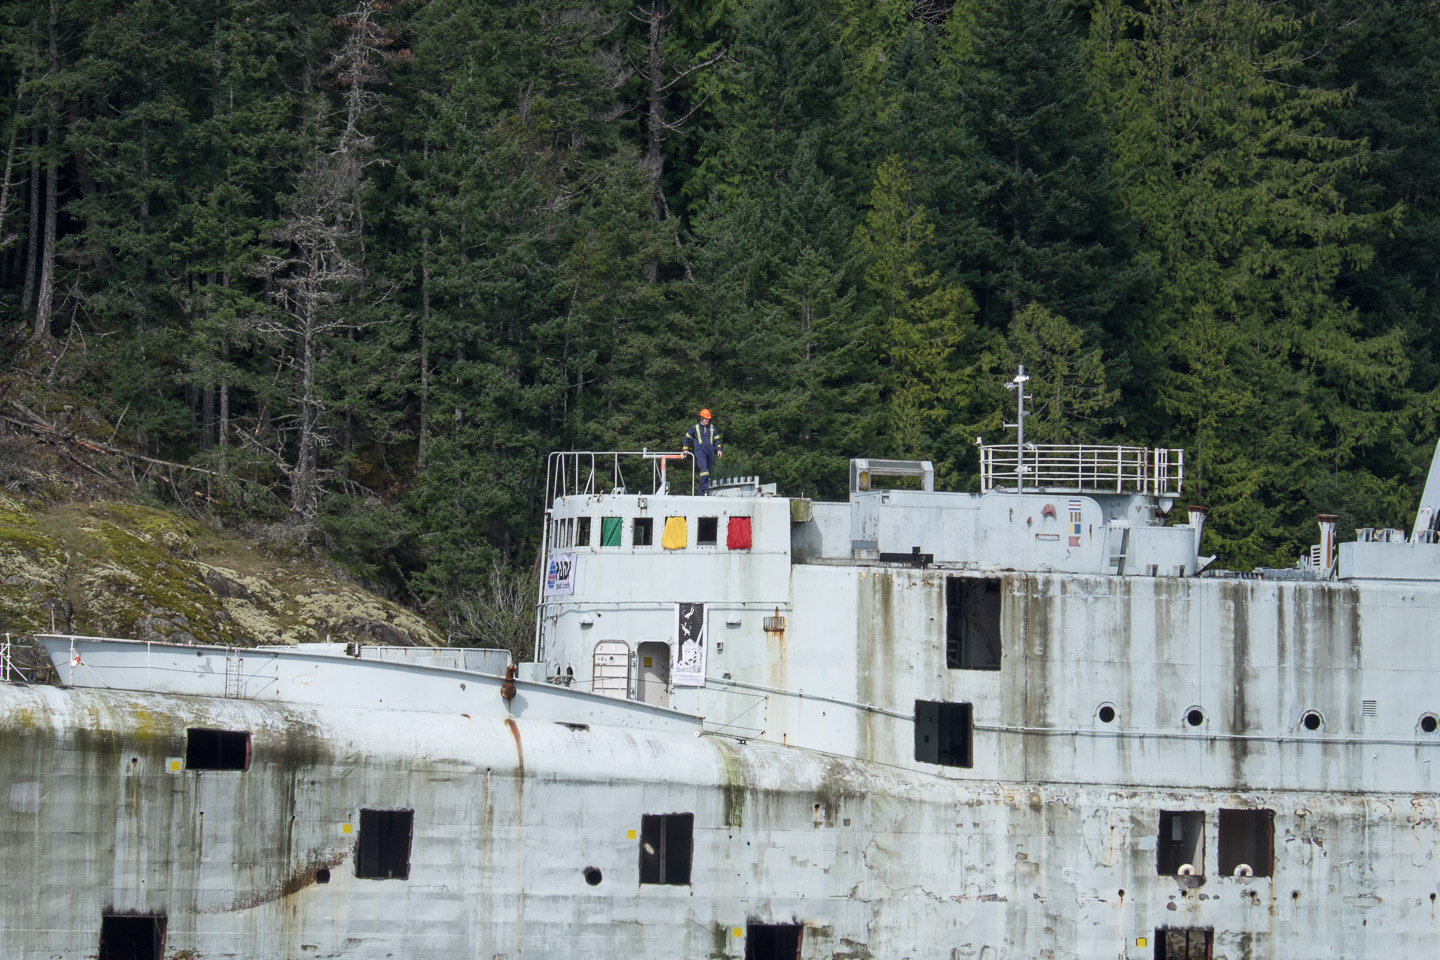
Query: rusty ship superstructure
1026,722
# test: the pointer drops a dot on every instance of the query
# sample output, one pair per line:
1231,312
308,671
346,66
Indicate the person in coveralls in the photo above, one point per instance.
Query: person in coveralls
703,441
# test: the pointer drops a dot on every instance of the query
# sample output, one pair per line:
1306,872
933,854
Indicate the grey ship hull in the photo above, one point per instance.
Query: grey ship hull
871,860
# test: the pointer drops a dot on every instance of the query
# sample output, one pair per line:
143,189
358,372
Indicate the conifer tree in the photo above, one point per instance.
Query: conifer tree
924,322
1028,166
1232,179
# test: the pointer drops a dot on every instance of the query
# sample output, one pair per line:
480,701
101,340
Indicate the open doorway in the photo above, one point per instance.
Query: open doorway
133,937
772,941
653,677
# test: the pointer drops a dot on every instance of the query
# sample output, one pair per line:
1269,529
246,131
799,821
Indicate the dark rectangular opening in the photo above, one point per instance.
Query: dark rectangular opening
944,733
972,623
582,532
384,846
1184,944
217,749
644,531
772,941
666,840
1247,843
1180,848
132,937
707,531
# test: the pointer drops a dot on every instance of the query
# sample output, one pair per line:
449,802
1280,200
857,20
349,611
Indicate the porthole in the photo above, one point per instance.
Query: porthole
1312,720
1106,713
592,876
1429,723
1194,716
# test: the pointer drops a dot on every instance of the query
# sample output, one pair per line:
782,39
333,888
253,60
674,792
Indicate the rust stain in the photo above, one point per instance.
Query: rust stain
519,747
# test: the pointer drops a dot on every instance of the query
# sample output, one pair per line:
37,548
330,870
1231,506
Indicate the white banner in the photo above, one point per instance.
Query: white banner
689,667
560,574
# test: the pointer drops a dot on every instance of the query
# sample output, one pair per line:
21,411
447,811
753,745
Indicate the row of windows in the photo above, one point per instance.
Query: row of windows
675,534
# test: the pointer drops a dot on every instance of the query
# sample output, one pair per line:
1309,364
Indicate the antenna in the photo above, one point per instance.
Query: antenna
1018,385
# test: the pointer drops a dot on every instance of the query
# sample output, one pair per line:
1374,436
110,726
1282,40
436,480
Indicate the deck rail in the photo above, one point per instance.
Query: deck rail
1082,468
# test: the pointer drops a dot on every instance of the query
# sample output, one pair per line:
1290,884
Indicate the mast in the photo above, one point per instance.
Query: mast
1018,385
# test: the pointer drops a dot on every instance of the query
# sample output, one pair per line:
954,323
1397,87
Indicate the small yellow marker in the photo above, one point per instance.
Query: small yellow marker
347,828
174,765
1140,941
629,834
649,661
737,931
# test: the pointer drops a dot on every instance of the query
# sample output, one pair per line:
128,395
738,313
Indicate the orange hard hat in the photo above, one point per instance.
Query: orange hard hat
705,415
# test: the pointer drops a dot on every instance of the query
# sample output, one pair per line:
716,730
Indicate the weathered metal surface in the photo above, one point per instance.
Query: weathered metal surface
1125,699
874,861
327,677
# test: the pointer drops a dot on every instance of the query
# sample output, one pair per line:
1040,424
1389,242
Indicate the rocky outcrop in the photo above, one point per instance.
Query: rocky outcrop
121,570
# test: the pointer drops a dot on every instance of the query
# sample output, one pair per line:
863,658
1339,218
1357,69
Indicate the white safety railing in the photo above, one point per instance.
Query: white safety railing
1083,468
10,671
588,472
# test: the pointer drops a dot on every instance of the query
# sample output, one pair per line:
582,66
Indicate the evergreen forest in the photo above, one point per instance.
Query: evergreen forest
365,263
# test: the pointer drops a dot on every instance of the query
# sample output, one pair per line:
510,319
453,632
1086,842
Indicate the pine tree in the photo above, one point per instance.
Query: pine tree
1028,166
924,323
1072,401
1232,179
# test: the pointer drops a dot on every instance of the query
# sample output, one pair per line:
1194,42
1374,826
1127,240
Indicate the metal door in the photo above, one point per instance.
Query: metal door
610,675
654,674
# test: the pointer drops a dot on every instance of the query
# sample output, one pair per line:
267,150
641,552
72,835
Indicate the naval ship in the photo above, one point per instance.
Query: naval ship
1028,722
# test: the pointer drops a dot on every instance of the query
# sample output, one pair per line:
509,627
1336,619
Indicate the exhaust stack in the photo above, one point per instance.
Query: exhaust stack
1197,520
1327,541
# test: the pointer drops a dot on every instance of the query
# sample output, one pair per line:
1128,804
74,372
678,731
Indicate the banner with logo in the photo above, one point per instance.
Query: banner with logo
560,574
689,667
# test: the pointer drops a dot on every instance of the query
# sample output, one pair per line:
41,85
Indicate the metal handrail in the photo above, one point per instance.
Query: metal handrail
1083,468
579,472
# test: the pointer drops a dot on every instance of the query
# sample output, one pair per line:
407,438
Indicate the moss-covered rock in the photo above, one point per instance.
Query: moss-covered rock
117,569
32,572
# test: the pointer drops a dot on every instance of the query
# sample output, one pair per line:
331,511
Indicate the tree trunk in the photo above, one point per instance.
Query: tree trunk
655,124
302,484
423,434
44,302
9,169
222,431
32,252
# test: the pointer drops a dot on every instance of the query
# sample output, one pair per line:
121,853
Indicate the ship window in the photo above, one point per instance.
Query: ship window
943,733
972,623
133,937
582,532
1180,849
1247,842
610,531
772,941
707,531
384,846
1184,944
217,749
644,531
665,842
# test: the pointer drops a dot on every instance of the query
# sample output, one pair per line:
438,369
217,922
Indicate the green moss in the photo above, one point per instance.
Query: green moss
115,569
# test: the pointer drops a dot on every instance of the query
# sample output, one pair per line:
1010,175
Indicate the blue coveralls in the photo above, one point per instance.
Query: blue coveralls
703,441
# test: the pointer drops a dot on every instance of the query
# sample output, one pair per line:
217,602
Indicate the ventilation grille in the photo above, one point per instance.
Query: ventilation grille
774,624
1367,708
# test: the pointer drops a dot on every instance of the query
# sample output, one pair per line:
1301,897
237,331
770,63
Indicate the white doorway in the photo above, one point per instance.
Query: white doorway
654,674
